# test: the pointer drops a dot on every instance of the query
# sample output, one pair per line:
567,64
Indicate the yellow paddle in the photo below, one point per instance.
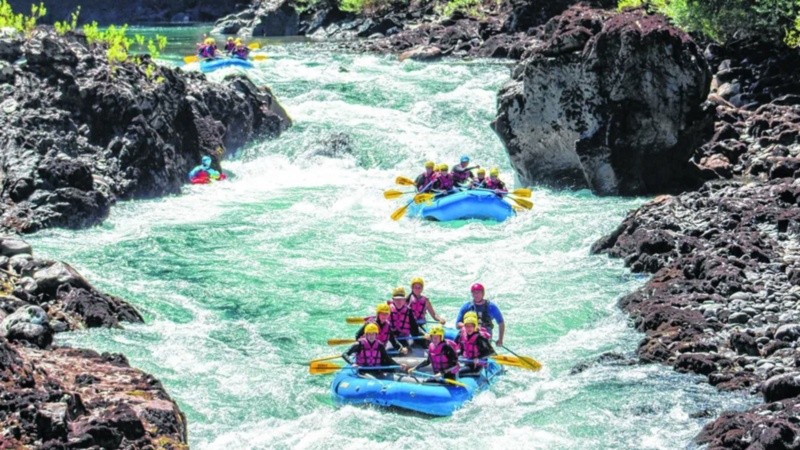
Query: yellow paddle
392,194
341,341
403,181
324,358
254,46
355,320
323,368
521,202
423,198
259,57
190,59
530,362
521,192
400,212
445,380
524,362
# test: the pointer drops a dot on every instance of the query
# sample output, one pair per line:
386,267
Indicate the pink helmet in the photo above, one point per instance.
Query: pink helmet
477,287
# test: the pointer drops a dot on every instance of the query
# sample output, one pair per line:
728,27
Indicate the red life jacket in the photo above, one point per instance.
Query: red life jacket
469,344
445,182
370,354
418,306
495,184
439,361
401,322
383,328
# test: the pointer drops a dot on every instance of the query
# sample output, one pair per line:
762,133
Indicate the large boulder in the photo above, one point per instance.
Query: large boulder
612,102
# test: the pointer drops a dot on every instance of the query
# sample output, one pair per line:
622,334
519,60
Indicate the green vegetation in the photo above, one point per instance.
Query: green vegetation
772,20
20,22
468,7
65,27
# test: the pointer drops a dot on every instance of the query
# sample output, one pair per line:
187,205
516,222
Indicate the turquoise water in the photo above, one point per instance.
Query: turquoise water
242,282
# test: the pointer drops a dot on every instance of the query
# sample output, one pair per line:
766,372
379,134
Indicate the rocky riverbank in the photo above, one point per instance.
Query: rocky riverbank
80,133
724,298
58,397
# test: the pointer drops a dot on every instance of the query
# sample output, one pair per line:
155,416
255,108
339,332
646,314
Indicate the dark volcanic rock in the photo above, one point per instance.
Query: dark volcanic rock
79,134
262,18
613,102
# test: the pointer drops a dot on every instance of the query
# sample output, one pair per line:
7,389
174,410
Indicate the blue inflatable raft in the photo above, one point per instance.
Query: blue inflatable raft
409,392
470,204
211,65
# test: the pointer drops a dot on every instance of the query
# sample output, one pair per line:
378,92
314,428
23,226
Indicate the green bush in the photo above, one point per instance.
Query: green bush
20,22
468,7
64,27
771,20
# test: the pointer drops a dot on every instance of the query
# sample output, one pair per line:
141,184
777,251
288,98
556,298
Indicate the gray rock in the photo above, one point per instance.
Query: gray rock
789,332
781,387
738,317
50,278
28,323
12,246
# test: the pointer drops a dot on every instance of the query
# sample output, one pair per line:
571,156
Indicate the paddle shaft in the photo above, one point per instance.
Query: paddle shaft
519,357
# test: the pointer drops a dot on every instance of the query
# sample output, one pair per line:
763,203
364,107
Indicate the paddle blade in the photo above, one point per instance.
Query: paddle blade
259,57
354,320
423,198
323,368
397,215
254,46
522,192
341,341
524,362
403,181
324,358
522,202
392,194
517,208
454,383
190,59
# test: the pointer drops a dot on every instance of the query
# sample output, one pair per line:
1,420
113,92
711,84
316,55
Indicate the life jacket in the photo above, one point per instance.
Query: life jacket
439,361
370,354
445,182
207,51
460,176
383,328
401,323
478,183
495,184
424,180
469,344
241,52
418,306
484,318
229,47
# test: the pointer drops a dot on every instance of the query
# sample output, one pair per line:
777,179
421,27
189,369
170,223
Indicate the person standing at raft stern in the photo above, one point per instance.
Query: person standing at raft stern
474,345
385,333
420,304
462,173
370,353
425,178
486,311
442,356
402,318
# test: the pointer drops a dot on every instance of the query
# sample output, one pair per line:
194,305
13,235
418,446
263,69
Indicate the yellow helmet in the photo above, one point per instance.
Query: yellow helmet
471,319
371,328
238,42
417,280
399,292
230,39
437,331
494,172
470,314
443,167
482,170
430,164
383,308
209,41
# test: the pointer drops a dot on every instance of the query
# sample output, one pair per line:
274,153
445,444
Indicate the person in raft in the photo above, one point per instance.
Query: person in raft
385,332
420,304
204,173
208,49
444,180
442,356
424,179
495,183
371,353
463,174
474,346
480,180
240,51
230,44
402,318
485,310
